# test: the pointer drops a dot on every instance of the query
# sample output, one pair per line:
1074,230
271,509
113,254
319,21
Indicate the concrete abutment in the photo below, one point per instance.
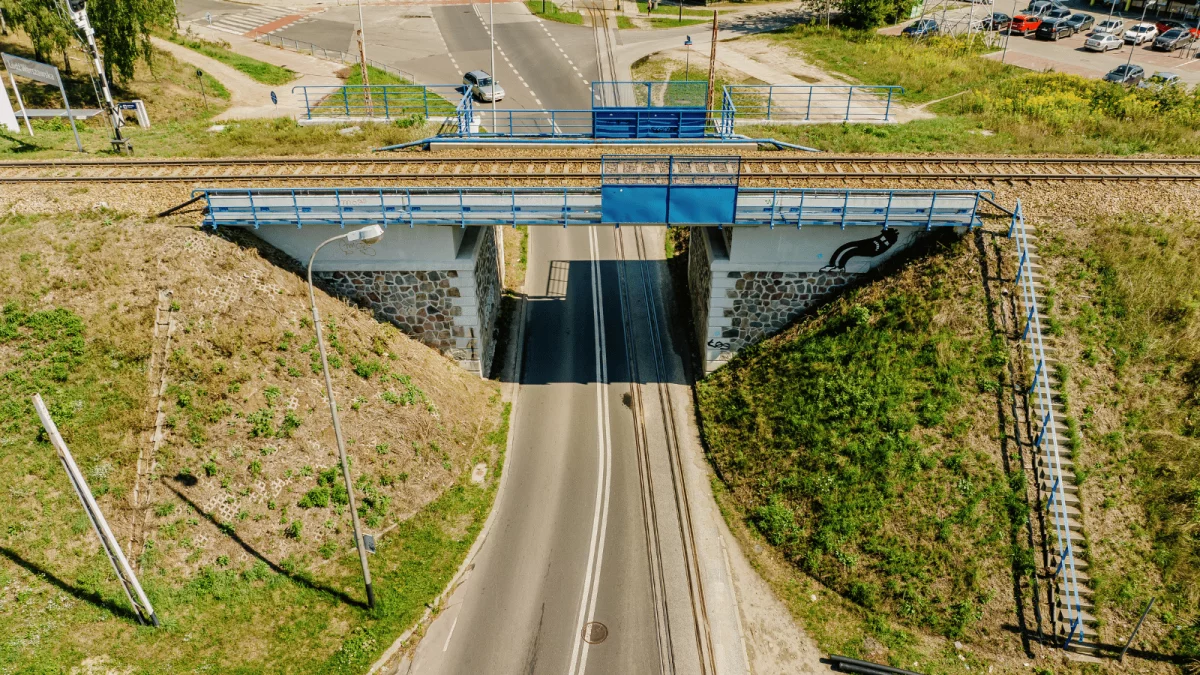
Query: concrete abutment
748,283
439,285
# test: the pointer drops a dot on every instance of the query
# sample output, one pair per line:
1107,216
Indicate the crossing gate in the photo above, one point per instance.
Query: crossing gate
670,190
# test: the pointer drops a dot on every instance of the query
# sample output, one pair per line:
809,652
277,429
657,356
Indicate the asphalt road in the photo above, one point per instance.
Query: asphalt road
579,535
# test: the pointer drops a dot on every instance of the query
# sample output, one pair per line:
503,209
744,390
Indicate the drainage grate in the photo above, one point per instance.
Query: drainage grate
594,633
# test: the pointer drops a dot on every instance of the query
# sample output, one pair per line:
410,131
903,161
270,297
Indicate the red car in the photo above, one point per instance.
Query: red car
1167,24
1024,24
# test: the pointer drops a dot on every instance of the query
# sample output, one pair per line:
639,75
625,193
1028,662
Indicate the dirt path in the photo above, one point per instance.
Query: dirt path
249,98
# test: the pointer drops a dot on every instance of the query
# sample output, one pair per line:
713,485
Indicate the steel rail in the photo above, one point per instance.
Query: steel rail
468,168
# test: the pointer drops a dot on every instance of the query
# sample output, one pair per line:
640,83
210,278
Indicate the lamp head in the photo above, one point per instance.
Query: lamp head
370,234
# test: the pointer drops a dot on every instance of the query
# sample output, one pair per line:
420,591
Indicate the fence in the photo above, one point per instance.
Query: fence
461,207
348,58
1046,439
385,100
673,94
815,103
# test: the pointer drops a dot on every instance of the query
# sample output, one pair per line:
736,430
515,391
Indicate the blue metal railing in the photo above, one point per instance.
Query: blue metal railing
1047,436
384,101
257,207
648,94
811,103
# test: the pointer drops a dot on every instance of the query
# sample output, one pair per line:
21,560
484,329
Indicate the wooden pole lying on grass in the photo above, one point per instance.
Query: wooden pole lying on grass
141,606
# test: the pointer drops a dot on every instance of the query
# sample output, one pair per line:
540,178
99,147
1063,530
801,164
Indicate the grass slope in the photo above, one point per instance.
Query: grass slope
994,108
1127,310
181,120
247,554
859,443
259,71
553,12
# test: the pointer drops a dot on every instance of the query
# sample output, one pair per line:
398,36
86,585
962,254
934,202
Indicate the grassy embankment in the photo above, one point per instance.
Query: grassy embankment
668,16
1126,302
180,119
553,12
994,108
861,445
259,71
247,552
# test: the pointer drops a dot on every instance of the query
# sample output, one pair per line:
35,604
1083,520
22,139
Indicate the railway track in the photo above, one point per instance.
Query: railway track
587,169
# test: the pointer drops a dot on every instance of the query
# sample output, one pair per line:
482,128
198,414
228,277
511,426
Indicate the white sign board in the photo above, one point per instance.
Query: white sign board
8,119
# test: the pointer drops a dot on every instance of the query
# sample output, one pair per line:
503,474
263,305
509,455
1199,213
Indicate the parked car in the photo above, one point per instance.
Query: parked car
1159,80
1080,22
1102,42
483,87
1167,24
997,21
1053,30
983,2
1041,7
1024,24
1142,32
1056,13
1176,38
921,28
1126,73
1111,26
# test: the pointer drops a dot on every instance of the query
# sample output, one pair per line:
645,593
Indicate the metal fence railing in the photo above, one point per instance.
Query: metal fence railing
1046,438
348,58
811,103
385,101
645,94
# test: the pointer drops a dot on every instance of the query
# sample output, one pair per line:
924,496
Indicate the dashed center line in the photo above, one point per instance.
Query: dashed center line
561,51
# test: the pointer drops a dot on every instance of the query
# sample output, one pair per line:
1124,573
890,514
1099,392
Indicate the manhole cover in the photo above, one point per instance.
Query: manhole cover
595,632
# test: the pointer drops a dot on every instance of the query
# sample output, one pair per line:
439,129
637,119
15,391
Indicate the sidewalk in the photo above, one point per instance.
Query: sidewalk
252,99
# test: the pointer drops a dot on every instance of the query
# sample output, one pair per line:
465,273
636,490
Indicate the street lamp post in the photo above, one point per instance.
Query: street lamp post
687,60
1145,6
367,235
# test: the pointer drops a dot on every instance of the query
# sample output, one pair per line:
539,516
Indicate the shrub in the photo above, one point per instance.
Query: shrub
293,530
315,498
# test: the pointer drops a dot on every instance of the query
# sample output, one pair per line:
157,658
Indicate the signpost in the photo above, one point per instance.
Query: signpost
38,72
8,119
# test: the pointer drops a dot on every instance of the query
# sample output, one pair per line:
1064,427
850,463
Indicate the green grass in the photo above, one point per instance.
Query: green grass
553,12
666,22
260,71
928,70
858,445
624,22
673,10
1130,303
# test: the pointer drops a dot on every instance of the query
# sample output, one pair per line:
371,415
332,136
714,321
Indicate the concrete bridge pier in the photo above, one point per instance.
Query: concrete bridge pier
748,283
439,285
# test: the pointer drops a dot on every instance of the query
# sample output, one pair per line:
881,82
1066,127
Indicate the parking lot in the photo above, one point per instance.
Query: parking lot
1068,55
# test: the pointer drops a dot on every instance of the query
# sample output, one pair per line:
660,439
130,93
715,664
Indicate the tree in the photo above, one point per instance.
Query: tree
867,14
41,20
122,28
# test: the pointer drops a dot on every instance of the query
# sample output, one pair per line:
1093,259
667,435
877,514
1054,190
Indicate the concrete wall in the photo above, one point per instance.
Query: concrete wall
439,285
747,283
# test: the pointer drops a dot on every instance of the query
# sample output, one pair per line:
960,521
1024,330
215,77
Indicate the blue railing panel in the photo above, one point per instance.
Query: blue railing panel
811,103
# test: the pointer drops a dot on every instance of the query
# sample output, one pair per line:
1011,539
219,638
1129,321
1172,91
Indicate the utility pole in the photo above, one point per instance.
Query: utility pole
712,66
492,40
362,59
77,9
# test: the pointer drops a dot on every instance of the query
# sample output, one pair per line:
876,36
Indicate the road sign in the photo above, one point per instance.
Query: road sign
274,98
38,72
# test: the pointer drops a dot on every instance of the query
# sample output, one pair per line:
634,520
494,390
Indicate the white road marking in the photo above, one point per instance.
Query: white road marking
591,586
450,635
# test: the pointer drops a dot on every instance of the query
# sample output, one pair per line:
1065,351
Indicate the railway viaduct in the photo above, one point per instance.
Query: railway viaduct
758,258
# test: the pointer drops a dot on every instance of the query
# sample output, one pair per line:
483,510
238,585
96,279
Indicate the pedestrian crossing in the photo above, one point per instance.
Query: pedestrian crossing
254,21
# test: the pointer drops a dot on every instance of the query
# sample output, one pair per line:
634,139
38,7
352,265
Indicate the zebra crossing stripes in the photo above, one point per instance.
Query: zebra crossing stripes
255,20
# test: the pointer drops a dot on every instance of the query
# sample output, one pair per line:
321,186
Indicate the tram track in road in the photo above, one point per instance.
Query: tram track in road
585,169
633,284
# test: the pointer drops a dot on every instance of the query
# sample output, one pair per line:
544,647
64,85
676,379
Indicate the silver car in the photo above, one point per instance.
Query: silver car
483,87
1102,42
1112,26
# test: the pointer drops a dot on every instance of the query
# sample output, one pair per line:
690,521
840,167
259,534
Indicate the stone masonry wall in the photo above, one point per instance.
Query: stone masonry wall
699,281
765,302
451,310
487,298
